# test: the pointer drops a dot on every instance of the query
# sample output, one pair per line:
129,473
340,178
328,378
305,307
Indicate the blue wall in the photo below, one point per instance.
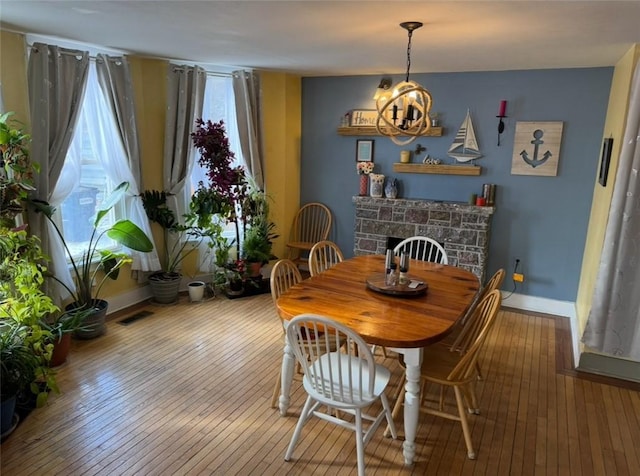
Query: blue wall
540,220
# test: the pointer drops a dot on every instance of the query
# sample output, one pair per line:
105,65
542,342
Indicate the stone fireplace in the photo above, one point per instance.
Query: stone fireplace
463,229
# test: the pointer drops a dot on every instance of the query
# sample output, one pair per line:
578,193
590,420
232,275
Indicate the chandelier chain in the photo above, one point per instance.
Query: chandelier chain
410,33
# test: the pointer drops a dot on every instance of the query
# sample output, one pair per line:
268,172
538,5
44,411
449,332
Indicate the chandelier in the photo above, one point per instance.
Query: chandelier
403,114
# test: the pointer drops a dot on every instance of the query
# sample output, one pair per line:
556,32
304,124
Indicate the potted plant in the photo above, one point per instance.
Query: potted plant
16,170
259,233
180,240
86,269
227,186
25,345
18,365
61,325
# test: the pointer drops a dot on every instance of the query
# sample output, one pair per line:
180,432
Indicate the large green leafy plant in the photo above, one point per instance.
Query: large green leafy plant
181,239
86,269
16,169
25,343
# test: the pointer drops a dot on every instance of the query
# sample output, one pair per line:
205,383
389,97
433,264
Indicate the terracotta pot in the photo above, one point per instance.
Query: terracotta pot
60,350
253,269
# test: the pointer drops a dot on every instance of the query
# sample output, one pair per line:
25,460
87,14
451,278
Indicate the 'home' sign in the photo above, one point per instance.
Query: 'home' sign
363,117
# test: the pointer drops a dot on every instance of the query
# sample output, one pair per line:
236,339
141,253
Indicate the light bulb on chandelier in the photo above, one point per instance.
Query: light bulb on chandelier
405,111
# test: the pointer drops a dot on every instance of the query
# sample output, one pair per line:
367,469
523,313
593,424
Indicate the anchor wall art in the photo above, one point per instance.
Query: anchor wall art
536,148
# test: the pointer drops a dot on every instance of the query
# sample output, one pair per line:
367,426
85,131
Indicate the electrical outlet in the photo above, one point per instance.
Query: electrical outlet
518,277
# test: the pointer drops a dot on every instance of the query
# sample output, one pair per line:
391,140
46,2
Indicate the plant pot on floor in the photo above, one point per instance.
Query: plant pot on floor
8,416
61,350
196,291
165,287
94,325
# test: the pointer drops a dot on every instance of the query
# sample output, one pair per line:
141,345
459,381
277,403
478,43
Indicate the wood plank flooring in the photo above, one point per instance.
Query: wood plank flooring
187,390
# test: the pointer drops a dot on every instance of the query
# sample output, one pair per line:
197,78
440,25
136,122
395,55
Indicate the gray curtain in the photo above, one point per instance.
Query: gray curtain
246,87
115,82
57,79
613,326
185,95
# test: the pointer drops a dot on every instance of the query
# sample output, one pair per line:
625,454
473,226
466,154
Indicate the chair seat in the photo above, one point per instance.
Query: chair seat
437,361
349,366
301,245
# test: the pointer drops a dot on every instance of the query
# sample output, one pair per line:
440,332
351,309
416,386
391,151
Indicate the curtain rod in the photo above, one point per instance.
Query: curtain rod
95,58
208,73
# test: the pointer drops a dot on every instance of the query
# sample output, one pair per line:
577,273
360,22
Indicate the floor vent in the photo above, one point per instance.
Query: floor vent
134,317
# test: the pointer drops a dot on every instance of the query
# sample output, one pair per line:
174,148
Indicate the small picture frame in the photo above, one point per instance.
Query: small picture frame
364,150
607,145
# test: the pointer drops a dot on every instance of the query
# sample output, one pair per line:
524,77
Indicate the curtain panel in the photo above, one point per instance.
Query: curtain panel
57,79
115,82
246,86
613,326
185,95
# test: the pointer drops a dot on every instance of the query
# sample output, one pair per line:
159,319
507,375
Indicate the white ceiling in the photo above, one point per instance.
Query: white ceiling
320,38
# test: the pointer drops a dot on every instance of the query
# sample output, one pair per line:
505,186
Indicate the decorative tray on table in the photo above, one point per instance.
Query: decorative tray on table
415,287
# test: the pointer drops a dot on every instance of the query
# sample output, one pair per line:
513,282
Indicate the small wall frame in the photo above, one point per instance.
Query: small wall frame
364,150
607,145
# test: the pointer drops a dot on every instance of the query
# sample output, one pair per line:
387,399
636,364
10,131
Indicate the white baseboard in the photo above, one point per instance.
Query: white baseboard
124,300
548,306
135,296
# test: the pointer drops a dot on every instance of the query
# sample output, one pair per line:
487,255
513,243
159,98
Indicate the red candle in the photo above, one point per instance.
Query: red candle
503,108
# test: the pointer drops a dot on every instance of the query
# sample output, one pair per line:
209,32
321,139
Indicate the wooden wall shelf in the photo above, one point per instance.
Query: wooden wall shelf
402,168
372,131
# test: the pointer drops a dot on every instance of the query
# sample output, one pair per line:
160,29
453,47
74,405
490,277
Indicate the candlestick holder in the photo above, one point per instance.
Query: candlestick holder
500,127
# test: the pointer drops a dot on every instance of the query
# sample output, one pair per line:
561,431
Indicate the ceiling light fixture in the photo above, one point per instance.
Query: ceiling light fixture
405,111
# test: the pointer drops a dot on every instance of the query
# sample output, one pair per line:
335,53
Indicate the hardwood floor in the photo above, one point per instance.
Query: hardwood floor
187,389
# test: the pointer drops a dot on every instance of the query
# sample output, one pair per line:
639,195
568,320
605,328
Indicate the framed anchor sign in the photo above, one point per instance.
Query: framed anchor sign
536,148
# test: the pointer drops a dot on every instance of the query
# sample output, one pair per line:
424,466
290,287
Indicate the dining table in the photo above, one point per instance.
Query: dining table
351,293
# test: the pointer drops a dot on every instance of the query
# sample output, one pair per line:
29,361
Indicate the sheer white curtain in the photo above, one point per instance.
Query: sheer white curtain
67,182
614,321
105,140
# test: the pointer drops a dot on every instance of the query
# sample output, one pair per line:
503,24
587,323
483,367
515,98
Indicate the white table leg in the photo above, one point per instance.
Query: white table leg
286,376
413,361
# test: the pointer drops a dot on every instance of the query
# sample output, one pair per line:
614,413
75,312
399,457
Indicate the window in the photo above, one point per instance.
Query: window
219,104
84,179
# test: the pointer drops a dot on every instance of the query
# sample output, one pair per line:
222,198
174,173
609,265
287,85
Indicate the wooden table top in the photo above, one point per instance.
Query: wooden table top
341,293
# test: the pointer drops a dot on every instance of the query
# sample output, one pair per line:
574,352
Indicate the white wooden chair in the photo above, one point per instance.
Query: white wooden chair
422,248
457,369
311,224
324,255
348,380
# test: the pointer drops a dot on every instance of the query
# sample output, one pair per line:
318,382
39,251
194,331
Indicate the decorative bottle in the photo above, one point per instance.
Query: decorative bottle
390,278
403,278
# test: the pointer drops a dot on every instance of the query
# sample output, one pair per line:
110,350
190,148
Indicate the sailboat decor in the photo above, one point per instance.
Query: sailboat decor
465,147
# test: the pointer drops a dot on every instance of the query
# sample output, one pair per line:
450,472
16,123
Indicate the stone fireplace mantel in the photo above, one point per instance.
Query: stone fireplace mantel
462,229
